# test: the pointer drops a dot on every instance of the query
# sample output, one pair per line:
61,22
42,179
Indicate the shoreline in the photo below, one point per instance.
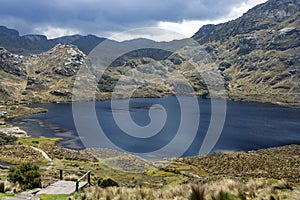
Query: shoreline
54,128
6,122
227,98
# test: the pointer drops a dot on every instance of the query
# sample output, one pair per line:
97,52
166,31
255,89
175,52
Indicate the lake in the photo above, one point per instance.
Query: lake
248,126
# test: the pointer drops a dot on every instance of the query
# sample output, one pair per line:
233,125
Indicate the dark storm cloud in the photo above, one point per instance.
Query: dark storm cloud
100,16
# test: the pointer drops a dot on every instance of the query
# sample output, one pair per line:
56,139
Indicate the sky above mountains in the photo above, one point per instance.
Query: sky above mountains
107,17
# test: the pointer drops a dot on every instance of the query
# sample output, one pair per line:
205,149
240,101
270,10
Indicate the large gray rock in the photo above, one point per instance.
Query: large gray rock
3,114
14,131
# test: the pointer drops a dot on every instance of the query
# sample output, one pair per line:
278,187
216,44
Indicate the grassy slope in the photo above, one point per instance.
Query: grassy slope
239,169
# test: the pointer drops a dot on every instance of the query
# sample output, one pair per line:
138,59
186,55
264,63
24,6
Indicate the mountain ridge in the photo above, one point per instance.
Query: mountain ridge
257,55
36,43
257,14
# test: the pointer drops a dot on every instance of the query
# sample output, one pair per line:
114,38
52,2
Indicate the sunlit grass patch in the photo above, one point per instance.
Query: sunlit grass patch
54,196
41,141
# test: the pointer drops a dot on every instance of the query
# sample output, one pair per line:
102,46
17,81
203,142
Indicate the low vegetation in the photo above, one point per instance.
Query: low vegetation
265,174
55,152
107,183
26,174
278,163
7,139
224,189
14,109
17,154
54,197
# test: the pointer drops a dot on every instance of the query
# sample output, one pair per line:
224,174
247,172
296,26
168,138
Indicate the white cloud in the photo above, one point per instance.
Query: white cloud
54,32
243,8
59,18
187,28
190,27
152,33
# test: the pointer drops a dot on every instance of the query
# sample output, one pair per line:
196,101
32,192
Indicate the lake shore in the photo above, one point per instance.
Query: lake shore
273,166
57,122
15,110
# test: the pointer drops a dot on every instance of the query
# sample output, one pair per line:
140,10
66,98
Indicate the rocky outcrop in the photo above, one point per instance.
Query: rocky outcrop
61,93
3,114
14,131
75,59
47,77
12,63
262,17
257,55
258,52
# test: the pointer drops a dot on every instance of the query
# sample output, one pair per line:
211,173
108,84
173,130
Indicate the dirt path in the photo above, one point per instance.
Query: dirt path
45,156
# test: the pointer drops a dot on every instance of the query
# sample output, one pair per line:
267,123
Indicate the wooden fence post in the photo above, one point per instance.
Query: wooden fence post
61,174
77,186
89,178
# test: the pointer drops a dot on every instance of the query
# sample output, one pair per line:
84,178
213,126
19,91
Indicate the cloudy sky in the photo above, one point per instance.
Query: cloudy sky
107,17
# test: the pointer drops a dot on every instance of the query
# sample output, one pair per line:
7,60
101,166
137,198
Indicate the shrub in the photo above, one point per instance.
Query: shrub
107,183
224,196
197,193
2,188
26,174
7,139
227,77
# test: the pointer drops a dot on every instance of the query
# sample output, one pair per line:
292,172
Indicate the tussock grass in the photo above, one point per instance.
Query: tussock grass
278,163
48,145
17,154
225,189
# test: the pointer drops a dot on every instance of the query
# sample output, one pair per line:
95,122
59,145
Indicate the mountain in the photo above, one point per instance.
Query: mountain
84,43
36,44
50,76
258,53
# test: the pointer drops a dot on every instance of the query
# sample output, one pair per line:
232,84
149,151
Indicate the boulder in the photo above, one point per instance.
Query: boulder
60,93
294,71
34,81
14,131
66,71
3,114
287,31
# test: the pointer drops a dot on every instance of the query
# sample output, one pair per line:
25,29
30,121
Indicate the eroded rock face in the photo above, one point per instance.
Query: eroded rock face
46,77
12,63
74,57
14,131
262,17
263,49
257,55
60,93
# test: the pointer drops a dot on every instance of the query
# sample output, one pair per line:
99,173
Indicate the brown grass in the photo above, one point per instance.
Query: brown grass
222,189
278,163
17,154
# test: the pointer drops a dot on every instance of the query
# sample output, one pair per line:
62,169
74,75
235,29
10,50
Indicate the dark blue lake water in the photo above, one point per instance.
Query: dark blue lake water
248,126
5,164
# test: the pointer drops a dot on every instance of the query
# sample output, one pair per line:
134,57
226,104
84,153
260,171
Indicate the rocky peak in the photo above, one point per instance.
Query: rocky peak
258,52
277,10
261,17
66,59
12,63
64,48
